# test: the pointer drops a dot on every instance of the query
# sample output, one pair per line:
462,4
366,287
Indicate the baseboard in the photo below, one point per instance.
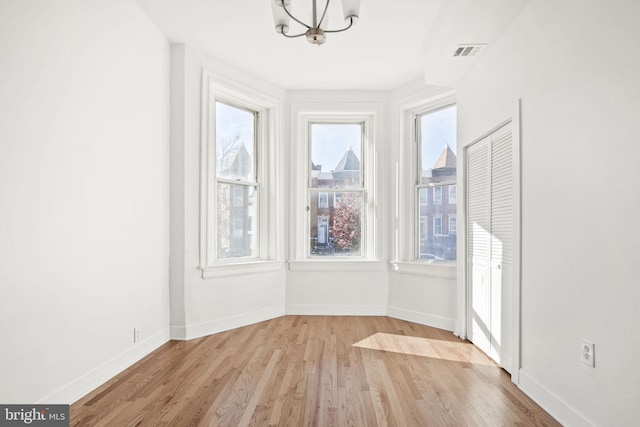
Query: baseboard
336,310
426,319
220,325
88,382
554,405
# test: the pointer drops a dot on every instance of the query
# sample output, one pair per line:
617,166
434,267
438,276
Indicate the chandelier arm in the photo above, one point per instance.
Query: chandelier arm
293,36
326,7
293,17
343,29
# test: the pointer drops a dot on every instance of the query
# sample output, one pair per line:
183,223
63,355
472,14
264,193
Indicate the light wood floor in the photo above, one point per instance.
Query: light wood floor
313,370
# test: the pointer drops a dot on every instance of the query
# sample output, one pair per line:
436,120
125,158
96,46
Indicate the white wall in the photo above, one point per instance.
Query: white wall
570,62
330,287
205,306
419,293
84,196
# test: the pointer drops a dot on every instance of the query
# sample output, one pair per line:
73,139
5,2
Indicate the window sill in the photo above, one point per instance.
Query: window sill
337,266
431,269
240,268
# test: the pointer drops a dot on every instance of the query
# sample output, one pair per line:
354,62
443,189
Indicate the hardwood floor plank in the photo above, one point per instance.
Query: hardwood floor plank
313,371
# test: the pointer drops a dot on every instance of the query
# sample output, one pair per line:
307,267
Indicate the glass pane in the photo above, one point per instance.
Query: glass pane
336,153
437,226
237,221
335,230
438,146
235,134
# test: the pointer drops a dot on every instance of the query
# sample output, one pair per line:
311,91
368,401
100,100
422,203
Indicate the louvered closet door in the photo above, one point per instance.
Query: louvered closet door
501,246
490,244
479,243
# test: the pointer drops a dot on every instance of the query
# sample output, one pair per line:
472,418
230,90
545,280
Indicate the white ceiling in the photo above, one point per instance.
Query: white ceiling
385,49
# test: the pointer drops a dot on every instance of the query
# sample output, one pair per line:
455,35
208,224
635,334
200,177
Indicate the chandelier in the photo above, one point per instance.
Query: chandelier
317,30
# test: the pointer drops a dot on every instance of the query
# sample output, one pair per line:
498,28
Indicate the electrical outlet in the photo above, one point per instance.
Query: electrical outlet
136,335
588,355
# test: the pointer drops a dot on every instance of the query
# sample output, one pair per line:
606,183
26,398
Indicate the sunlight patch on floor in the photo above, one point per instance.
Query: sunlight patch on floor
437,349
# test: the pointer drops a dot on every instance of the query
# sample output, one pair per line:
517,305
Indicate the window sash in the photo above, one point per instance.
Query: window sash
334,196
433,212
252,217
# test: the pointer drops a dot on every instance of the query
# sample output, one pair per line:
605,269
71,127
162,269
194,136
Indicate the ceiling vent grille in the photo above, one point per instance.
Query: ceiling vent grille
468,50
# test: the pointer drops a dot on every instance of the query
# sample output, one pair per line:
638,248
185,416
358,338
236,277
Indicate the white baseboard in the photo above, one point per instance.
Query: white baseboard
426,319
220,325
91,380
336,310
554,405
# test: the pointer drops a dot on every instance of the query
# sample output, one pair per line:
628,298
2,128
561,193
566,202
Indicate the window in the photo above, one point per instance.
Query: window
437,226
424,196
336,151
424,227
236,181
436,172
437,196
239,228
323,200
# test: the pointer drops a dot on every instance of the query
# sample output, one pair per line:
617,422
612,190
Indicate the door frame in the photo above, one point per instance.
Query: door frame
463,308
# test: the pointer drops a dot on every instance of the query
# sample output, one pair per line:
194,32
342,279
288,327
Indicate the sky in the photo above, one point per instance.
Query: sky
232,123
438,128
329,142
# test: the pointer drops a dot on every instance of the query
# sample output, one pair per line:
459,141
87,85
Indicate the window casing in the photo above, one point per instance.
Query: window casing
352,191
239,229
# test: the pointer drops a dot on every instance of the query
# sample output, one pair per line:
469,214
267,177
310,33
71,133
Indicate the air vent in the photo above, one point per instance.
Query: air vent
468,49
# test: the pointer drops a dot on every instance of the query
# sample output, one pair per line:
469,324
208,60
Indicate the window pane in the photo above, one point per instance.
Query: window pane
437,236
437,165
335,230
237,221
336,153
438,146
235,135
437,196
453,195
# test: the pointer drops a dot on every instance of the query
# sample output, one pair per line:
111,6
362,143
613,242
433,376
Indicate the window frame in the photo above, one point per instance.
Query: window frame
371,253
405,251
437,187
359,188
266,156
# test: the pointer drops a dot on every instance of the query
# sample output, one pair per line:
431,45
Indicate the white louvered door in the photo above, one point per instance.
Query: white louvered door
489,228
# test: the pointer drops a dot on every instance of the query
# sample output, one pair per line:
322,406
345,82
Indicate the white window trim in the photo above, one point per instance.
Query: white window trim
215,87
404,250
452,217
452,187
303,114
